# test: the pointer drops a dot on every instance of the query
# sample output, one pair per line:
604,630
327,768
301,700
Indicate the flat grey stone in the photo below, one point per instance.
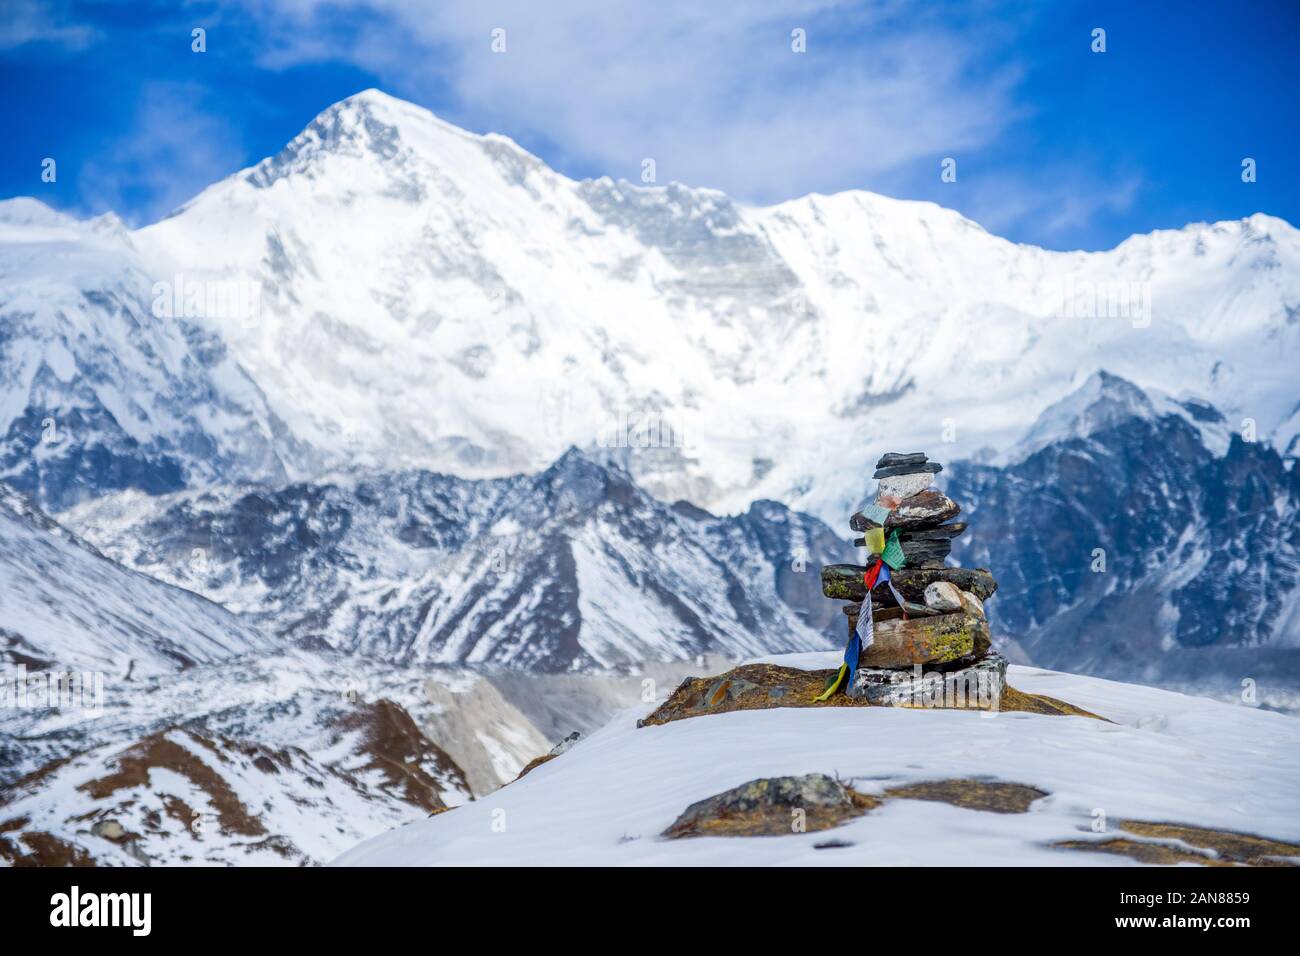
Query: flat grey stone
891,459
927,467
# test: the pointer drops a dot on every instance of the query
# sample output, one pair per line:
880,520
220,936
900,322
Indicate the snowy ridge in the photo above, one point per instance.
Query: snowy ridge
575,568
65,606
432,298
1142,538
97,393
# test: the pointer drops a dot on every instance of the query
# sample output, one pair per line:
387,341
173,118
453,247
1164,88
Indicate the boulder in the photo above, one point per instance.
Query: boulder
886,611
773,686
940,639
979,687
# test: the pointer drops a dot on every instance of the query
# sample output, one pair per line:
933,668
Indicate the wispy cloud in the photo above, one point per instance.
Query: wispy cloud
715,98
1055,201
172,148
24,22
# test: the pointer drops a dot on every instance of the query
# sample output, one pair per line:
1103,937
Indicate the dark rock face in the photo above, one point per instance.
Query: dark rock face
773,806
1174,567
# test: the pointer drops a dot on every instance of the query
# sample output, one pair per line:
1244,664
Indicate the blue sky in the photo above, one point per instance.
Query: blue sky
1055,144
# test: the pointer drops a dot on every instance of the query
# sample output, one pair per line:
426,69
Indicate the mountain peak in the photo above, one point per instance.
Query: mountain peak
1105,399
26,211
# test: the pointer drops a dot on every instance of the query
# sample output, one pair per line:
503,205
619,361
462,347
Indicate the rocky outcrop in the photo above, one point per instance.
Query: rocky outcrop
764,686
773,806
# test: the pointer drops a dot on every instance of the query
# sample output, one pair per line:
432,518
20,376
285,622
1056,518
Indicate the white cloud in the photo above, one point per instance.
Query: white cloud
30,21
716,98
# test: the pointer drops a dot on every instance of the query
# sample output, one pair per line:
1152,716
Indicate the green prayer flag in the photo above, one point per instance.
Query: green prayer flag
893,553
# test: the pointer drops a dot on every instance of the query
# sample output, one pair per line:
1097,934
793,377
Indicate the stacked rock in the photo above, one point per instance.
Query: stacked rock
926,641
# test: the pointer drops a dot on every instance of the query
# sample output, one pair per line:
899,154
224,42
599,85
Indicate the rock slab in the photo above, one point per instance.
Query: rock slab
941,639
980,686
843,582
926,509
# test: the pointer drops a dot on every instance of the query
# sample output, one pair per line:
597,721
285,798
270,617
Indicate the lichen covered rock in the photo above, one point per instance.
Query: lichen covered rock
843,582
773,806
941,639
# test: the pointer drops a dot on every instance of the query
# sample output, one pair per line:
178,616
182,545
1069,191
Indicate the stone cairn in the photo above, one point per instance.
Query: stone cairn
934,649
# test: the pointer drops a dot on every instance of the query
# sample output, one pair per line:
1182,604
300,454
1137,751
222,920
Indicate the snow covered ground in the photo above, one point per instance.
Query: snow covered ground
1164,757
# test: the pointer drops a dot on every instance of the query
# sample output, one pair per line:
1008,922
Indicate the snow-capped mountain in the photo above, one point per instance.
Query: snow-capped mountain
1138,537
573,568
97,392
406,294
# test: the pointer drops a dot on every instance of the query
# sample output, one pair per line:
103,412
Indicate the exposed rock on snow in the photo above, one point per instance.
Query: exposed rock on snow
987,795
1168,844
773,807
844,581
940,639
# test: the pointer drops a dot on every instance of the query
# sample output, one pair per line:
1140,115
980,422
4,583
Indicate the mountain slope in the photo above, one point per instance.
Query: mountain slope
1161,757
66,607
432,298
181,796
99,393
571,569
